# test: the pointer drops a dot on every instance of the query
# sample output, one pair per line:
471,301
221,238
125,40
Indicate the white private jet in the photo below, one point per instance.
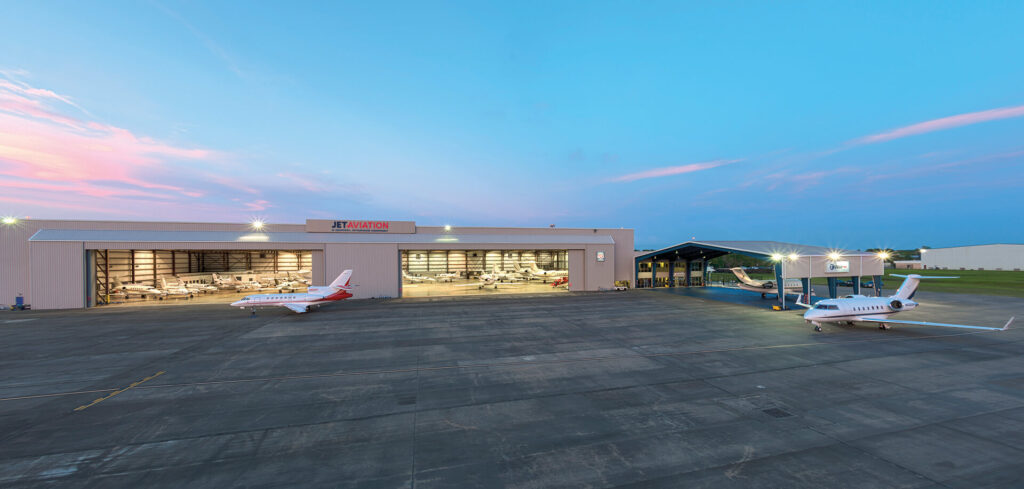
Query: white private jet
764,287
338,290
415,279
446,277
534,271
486,279
862,309
504,275
135,289
174,289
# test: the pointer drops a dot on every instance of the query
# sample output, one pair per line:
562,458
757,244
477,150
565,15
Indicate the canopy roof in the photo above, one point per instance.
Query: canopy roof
707,250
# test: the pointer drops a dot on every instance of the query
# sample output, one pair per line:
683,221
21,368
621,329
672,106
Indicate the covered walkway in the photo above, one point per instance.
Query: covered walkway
686,264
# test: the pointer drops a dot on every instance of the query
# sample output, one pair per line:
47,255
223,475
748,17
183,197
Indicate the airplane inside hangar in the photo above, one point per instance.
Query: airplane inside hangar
434,273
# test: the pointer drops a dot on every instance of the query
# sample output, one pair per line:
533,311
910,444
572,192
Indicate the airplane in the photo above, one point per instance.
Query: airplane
446,277
135,288
859,308
502,275
763,286
291,285
229,282
536,272
561,282
195,286
417,278
301,302
174,289
486,279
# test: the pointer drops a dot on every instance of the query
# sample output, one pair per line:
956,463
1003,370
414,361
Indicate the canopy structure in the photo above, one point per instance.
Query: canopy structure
791,260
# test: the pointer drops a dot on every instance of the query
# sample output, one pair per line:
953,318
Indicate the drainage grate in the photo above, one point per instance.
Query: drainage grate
777,413
407,400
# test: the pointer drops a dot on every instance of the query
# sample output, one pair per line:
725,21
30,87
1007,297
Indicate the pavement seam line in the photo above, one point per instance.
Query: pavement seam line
112,394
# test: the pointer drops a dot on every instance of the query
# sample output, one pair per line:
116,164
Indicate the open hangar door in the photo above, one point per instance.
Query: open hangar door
134,276
435,273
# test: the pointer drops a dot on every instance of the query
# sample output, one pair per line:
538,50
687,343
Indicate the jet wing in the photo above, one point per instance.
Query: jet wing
923,323
299,308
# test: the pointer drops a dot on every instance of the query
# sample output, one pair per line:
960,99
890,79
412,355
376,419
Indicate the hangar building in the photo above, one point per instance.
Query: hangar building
978,257
60,264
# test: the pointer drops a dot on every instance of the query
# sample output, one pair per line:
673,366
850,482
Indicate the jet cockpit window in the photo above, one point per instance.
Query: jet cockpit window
827,307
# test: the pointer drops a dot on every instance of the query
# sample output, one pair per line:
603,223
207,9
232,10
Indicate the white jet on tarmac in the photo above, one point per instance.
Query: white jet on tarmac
301,302
862,309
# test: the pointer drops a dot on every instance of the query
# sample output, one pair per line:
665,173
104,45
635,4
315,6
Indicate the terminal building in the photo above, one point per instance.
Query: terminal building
978,257
61,264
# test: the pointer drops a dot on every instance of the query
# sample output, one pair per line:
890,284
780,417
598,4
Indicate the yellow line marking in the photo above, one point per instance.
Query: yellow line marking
112,394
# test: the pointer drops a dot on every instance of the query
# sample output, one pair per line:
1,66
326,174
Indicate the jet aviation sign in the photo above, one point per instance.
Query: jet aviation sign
370,226
359,226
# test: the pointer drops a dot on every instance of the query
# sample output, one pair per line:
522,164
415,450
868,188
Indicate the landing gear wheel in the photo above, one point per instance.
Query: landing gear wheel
763,296
883,326
817,328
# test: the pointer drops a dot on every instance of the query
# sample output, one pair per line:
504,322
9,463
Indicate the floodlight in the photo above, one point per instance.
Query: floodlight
10,220
793,256
257,224
884,255
447,227
923,250
835,255
776,257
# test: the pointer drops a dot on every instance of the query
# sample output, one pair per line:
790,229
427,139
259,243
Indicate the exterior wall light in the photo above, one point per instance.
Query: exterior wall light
10,220
257,224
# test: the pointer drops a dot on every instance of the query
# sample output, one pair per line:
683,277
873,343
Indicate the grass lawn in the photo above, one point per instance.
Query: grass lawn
986,282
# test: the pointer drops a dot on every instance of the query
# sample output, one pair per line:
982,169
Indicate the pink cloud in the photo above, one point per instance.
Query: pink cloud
39,143
672,170
942,124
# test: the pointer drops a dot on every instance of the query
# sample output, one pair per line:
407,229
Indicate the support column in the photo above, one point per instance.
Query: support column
686,275
672,273
636,274
833,288
806,282
703,273
779,282
856,284
878,285
654,273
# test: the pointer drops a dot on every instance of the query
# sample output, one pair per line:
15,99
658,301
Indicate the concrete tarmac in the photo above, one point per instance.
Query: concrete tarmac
615,389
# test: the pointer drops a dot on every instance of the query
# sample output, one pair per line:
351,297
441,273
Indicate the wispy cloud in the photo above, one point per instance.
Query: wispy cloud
941,124
673,170
48,147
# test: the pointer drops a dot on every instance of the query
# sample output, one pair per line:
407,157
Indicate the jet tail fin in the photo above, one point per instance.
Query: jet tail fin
343,280
910,282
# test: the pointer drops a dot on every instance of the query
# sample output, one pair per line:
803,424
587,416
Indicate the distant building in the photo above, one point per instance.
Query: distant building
907,264
979,257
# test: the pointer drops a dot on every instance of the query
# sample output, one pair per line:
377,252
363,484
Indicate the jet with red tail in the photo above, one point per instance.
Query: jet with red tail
314,297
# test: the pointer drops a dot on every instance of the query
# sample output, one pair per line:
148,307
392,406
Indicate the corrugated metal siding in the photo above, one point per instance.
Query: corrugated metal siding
988,257
58,275
374,268
577,270
600,275
318,267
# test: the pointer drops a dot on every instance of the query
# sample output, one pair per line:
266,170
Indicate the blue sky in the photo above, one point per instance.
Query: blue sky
840,124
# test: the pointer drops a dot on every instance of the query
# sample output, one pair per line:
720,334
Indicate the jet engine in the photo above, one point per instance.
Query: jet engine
896,305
